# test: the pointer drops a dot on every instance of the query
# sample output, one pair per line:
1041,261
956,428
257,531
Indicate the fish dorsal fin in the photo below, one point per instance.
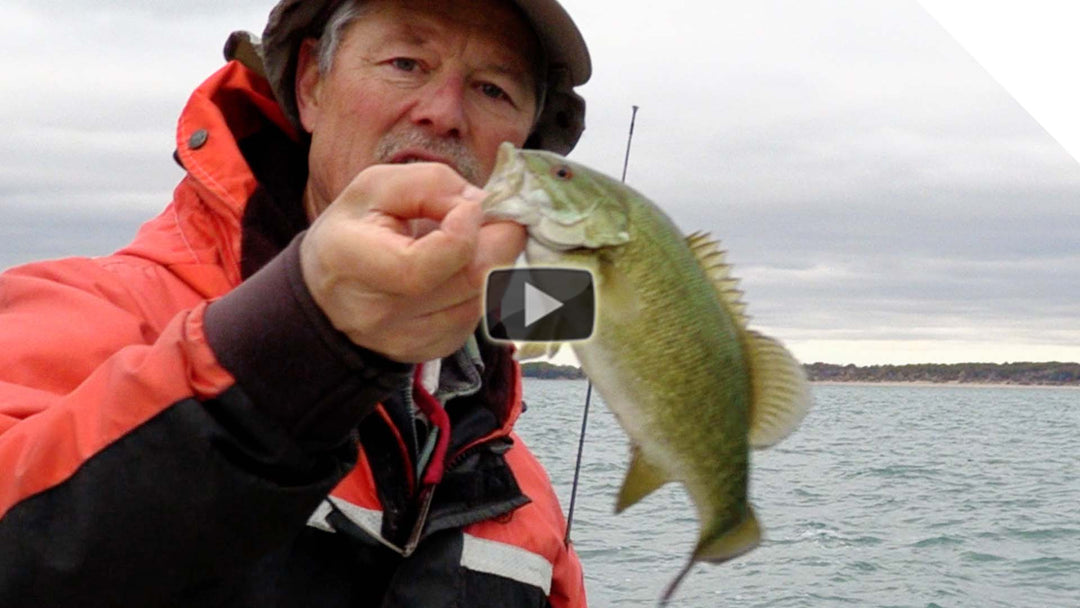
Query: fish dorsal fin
712,261
781,393
642,478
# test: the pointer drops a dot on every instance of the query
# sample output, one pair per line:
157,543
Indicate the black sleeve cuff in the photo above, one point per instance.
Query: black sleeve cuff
290,361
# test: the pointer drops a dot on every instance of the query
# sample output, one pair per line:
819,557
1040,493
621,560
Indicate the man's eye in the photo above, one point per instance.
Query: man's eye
493,91
405,64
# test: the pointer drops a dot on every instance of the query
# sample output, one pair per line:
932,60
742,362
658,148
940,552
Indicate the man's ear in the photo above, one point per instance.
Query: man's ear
308,84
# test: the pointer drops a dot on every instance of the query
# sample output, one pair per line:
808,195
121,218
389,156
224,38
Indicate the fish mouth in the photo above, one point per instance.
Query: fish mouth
539,245
506,181
504,156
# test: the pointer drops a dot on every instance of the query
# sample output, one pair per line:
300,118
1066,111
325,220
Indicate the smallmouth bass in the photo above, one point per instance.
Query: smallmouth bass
671,354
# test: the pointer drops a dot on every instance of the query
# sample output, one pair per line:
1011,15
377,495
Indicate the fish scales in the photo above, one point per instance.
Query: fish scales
686,331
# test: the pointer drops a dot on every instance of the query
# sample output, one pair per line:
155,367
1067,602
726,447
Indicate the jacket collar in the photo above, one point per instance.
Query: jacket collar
231,106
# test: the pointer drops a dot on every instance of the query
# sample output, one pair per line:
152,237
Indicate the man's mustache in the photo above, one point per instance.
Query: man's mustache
453,151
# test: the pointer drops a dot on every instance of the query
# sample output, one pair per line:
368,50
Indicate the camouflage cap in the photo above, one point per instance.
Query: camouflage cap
561,121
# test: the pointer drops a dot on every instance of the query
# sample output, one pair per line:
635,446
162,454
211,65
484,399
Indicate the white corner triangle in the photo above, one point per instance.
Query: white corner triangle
1030,48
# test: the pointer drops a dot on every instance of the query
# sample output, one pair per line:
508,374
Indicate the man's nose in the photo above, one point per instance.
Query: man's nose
441,107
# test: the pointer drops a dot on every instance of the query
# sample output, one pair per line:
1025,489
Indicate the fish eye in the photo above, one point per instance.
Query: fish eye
562,172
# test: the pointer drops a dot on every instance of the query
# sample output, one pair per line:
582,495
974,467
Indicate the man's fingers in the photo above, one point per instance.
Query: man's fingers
499,244
442,253
407,192
396,262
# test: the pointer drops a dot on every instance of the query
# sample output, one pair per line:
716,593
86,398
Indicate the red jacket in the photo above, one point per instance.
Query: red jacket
180,424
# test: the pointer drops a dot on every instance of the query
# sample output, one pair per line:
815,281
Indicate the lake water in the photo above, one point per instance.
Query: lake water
915,496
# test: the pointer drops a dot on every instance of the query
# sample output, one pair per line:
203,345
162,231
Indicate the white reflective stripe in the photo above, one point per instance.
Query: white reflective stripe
369,520
318,518
508,561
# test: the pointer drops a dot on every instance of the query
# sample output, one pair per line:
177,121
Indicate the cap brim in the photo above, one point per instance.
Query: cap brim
560,37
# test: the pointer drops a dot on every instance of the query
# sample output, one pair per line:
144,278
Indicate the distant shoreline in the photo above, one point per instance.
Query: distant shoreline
941,384
1050,373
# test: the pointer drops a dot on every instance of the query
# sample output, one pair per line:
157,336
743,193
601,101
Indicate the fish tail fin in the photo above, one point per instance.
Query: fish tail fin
670,591
729,543
720,547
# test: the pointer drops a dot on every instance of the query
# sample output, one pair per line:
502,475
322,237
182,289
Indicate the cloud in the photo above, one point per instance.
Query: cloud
873,184
870,180
154,10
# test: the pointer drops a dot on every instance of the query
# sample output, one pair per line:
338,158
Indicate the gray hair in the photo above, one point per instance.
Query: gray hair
334,31
349,11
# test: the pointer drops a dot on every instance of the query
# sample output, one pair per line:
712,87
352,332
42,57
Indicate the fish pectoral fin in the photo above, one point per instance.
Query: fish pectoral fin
731,543
525,351
781,393
642,478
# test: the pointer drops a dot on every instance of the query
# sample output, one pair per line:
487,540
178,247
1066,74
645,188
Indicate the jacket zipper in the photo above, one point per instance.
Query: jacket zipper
427,494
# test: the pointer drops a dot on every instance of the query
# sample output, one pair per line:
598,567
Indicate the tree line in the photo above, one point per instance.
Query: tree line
1051,373
550,371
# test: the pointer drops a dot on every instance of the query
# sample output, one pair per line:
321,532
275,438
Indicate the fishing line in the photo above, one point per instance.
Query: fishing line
588,389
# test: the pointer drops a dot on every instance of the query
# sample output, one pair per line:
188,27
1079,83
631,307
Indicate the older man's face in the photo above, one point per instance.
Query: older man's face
418,80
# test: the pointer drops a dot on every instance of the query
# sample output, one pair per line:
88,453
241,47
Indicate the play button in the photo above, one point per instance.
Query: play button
539,304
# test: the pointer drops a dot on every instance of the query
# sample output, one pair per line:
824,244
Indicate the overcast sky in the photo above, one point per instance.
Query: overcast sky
884,199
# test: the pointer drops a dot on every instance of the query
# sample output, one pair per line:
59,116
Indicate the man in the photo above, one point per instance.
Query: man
275,396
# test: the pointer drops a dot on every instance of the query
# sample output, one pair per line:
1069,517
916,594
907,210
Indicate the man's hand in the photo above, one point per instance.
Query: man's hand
410,298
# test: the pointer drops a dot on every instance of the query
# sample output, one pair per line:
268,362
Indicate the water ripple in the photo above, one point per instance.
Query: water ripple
938,541
887,496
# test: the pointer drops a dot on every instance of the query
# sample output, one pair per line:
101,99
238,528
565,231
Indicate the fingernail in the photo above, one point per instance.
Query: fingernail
473,193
